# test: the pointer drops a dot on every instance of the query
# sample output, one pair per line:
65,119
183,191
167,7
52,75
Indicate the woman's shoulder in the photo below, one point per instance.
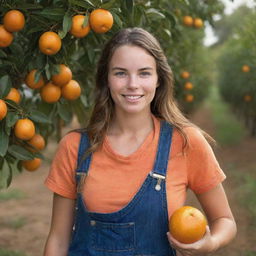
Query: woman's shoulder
71,137
191,136
194,134
70,141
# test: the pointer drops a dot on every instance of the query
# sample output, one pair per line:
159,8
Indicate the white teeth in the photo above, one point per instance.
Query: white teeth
133,97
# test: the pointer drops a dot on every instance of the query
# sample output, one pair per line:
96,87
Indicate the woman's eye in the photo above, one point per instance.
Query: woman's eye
120,73
145,73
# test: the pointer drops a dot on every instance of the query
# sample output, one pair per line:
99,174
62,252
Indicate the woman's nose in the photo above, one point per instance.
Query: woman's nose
132,82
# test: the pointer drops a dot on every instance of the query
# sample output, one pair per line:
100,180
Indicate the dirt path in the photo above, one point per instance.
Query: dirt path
235,161
34,210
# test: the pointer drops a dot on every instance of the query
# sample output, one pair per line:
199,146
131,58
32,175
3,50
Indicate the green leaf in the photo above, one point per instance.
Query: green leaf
62,34
86,20
155,14
82,3
53,13
9,177
40,117
26,6
17,50
91,55
4,138
20,153
39,155
1,162
67,22
5,86
47,71
64,111
3,54
171,18
84,101
54,68
108,4
40,64
11,118
129,5
4,174
117,20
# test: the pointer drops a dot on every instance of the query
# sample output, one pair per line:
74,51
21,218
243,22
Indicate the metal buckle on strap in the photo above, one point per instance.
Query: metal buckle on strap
159,178
81,181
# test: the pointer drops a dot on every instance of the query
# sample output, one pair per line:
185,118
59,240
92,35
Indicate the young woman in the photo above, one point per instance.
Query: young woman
117,182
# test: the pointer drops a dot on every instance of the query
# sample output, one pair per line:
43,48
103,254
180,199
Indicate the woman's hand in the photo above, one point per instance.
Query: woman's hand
201,247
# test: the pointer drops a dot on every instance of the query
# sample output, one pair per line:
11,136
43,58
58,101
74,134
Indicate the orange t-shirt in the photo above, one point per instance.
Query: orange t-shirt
114,179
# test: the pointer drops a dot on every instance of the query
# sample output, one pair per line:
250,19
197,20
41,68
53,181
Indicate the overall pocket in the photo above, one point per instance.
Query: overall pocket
113,237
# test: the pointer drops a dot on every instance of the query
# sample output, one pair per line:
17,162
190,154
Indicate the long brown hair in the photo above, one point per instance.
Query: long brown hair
163,105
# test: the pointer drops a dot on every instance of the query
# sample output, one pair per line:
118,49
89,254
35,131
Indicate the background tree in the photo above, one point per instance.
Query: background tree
236,66
48,55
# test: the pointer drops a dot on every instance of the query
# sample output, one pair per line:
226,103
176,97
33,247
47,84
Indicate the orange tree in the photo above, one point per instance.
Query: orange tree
237,69
48,55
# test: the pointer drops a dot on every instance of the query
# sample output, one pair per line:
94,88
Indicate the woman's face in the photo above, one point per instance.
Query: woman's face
132,79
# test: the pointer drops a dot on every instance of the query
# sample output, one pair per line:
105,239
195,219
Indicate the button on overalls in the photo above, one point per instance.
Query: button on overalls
138,229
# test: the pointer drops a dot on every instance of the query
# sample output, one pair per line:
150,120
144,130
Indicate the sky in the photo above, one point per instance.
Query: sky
229,8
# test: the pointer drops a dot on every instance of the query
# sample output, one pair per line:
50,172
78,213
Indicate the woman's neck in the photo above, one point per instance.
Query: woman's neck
131,124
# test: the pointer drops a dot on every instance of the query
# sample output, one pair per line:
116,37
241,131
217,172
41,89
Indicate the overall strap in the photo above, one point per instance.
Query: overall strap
82,162
163,151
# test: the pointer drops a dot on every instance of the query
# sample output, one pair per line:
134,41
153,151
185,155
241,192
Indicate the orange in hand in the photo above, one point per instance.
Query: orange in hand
187,224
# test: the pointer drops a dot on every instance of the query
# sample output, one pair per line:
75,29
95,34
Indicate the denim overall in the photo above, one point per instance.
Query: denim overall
138,229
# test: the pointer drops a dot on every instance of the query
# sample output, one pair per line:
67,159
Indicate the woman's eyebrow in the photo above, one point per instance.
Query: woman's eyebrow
141,69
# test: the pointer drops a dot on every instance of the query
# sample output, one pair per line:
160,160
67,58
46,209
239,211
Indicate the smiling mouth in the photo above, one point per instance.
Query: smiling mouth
133,97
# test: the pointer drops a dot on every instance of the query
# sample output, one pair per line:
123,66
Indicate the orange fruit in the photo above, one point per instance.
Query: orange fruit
14,95
6,37
101,20
77,28
187,21
188,86
49,43
14,21
37,142
63,77
50,93
71,90
187,224
3,109
247,98
198,23
30,80
189,98
185,74
24,129
31,165
245,68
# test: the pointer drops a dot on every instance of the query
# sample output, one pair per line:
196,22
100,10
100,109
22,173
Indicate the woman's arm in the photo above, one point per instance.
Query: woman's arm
221,223
61,226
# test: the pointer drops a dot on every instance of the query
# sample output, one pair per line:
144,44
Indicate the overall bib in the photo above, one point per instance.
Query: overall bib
138,229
